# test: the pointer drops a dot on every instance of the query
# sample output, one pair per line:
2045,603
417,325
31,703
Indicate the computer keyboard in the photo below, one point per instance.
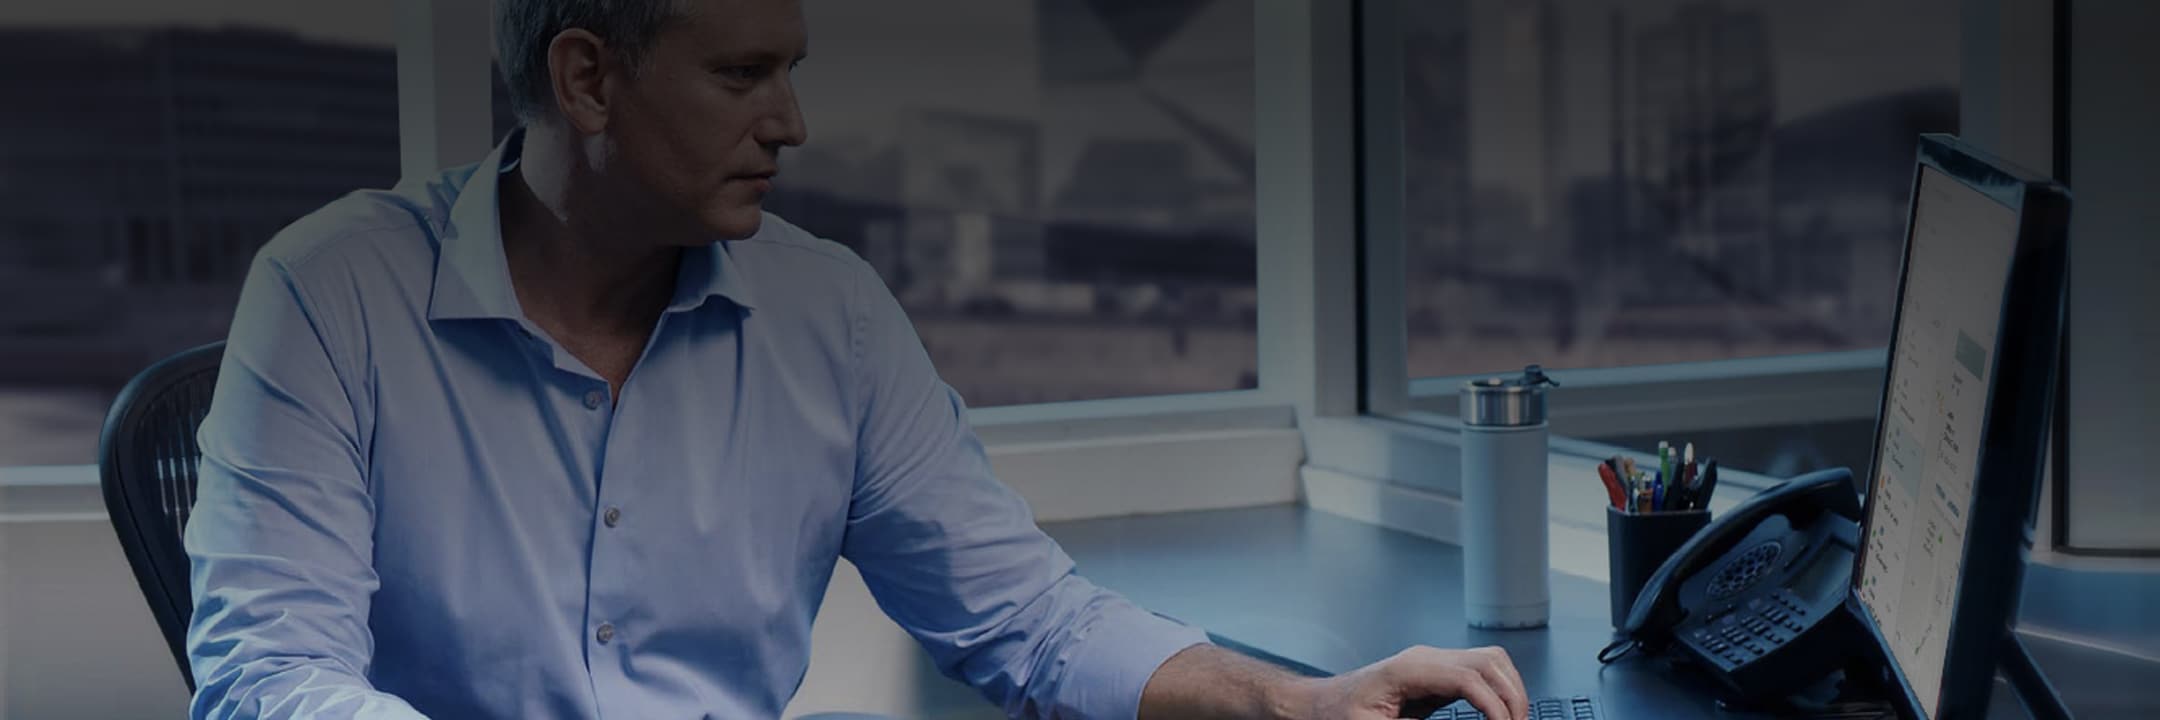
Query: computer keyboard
1569,708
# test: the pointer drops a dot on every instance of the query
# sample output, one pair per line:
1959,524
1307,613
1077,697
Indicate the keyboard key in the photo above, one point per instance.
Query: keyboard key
1580,707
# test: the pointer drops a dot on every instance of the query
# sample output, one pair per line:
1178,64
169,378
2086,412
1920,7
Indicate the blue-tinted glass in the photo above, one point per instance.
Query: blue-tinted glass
141,165
1059,191
1652,181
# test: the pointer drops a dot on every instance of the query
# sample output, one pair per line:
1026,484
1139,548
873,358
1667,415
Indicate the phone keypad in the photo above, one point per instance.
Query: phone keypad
1762,625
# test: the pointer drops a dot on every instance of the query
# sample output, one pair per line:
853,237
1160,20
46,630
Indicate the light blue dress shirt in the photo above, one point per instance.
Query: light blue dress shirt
414,503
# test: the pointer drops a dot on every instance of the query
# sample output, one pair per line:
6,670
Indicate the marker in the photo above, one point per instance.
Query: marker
1690,484
1690,473
1657,491
1676,490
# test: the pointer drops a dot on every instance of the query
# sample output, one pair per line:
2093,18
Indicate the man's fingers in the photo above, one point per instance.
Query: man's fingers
1481,695
1512,690
1429,673
1499,673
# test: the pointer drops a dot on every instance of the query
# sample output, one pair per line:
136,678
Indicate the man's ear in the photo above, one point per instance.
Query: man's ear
579,63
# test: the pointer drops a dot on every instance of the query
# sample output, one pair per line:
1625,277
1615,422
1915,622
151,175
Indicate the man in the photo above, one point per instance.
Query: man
580,432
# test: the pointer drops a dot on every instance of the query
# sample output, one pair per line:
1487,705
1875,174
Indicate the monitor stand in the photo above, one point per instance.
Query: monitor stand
2033,688
1859,692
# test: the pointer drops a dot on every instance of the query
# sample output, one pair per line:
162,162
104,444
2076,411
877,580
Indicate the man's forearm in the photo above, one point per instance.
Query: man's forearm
1206,682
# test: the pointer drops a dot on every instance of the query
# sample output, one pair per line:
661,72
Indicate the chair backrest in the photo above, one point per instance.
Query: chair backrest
146,464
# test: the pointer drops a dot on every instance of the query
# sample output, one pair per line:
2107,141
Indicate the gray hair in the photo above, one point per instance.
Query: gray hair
525,28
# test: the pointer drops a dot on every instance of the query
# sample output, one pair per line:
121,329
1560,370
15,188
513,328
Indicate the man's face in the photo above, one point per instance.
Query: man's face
701,126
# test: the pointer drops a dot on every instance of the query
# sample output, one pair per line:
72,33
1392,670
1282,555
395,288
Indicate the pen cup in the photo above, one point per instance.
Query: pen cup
1637,543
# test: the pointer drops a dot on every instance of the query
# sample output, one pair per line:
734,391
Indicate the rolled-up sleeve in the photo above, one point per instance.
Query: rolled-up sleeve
956,559
280,538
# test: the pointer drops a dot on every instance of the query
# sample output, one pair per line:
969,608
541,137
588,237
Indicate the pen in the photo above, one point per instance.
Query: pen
1709,483
1687,485
1657,491
1664,458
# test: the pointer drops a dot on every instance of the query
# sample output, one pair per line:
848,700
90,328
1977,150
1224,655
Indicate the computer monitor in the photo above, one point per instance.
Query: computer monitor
1959,435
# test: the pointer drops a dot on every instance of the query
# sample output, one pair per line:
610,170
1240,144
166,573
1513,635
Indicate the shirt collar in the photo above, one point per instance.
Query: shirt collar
472,278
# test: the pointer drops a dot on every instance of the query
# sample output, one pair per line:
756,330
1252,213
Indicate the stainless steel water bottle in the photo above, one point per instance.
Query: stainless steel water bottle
1504,536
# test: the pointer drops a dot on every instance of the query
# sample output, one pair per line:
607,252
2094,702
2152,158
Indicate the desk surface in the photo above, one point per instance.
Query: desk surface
1336,594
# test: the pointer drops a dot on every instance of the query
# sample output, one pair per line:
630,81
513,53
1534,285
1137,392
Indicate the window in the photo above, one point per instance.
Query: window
1060,192
1627,183
145,166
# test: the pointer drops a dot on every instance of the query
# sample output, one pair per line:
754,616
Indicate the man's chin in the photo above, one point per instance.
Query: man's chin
737,223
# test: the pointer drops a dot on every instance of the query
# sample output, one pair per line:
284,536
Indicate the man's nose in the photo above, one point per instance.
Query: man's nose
784,125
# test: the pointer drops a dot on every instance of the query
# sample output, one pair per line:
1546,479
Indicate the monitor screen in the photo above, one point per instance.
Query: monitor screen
1956,271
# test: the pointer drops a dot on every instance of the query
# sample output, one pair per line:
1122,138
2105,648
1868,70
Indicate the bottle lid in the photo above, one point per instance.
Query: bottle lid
1516,401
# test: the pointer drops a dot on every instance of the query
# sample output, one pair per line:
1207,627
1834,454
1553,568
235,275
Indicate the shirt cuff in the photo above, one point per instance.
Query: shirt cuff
1118,654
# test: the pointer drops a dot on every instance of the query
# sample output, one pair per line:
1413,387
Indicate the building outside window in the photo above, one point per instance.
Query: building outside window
1640,182
140,168
1059,191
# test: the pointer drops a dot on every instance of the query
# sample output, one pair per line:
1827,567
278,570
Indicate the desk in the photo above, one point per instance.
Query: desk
1336,594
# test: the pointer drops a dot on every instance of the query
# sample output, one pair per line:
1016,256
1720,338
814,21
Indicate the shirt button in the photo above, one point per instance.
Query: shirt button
605,634
612,516
593,398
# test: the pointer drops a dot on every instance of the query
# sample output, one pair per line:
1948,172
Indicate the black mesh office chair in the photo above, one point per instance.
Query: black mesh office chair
146,463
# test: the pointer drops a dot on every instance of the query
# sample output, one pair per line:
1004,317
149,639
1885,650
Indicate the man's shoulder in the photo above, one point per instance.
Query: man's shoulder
785,258
399,225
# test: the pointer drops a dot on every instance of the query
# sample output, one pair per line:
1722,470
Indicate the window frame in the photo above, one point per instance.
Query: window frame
1330,331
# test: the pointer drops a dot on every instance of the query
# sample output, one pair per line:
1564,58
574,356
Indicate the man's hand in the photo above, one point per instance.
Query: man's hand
1417,681
1210,682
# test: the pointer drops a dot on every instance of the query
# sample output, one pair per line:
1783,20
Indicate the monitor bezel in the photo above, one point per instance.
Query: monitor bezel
2013,430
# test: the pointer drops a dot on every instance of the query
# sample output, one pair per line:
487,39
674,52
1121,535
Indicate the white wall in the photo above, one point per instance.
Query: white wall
76,638
2114,336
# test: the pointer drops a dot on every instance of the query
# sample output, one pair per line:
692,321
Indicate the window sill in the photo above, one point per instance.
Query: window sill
1401,472
50,493
1750,392
1070,460
1093,420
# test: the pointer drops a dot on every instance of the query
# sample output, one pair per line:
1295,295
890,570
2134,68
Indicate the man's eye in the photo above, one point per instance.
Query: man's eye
745,73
